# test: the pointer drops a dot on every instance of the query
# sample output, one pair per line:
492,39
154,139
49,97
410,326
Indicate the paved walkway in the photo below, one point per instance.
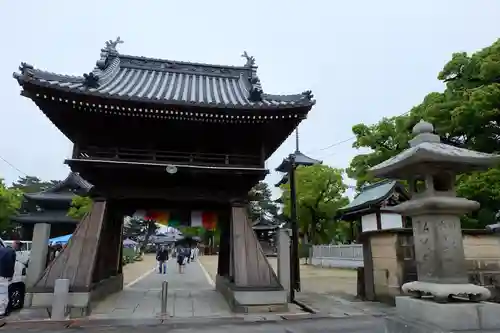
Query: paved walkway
329,291
190,294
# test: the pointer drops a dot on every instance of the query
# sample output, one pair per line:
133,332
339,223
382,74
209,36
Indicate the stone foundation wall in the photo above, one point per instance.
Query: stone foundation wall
393,264
482,254
386,273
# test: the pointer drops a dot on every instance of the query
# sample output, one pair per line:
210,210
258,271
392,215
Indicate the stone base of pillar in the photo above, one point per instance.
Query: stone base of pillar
79,303
252,299
442,292
425,316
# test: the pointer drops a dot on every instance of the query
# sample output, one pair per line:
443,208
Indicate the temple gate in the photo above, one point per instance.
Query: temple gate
152,133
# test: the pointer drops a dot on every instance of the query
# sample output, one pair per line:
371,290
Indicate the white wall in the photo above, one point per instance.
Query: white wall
369,222
391,220
388,221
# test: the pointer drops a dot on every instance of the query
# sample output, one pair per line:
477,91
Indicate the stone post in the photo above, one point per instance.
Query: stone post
284,259
60,300
38,257
439,250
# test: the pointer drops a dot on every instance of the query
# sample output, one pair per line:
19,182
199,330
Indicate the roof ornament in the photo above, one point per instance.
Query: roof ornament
308,94
25,69
250,60
424,132
111,45
255,90
109,49
91,80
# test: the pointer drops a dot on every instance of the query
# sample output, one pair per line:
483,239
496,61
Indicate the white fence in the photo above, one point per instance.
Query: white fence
342,256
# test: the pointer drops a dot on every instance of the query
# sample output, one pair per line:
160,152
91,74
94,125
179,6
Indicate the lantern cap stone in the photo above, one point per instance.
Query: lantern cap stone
427,154
423,127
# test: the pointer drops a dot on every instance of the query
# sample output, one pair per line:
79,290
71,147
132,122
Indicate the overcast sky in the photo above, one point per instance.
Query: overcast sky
363,60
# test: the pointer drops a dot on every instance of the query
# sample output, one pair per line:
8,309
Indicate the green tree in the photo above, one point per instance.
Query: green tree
261,206
320,192
465,114
79,207
192,231
135,228
10,202
31,184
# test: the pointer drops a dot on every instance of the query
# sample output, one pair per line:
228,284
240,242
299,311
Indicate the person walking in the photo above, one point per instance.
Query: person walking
7,265
162,257
181,259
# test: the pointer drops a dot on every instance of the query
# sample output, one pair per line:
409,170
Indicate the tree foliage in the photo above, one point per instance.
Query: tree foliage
10,201
31,184
79,207
465,114
261,206
320,192
136,229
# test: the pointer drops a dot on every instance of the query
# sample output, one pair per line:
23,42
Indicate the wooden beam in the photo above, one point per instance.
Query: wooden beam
77,260
250,265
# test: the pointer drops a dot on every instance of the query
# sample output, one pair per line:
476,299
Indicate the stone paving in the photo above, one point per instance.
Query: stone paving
190,294
135,270
318,325
329,291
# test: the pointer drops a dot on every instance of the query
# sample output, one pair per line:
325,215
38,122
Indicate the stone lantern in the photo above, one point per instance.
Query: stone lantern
431,168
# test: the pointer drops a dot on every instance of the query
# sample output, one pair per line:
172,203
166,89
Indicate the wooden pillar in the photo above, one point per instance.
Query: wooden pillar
369,287
77,261
249,265
224,247
109,247
379,220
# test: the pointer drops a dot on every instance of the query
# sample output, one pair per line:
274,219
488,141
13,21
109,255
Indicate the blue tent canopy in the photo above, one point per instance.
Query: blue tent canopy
60,240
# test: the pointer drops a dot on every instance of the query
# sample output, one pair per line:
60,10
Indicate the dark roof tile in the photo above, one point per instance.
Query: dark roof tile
44,217
58,193
168,82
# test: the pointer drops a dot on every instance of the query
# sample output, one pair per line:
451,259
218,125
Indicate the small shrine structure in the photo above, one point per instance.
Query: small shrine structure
442,297
370,209
266,232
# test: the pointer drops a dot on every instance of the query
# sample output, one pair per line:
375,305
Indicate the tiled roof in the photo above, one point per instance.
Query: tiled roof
168,82
45,217
371,194
300,160
59,193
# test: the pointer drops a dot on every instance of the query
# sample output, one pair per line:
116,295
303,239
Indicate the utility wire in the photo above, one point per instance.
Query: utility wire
13,166
338,143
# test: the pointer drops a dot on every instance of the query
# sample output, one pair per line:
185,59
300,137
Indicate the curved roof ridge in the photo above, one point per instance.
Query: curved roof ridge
167,82
377,184
73,178
201,64
30,71
109,72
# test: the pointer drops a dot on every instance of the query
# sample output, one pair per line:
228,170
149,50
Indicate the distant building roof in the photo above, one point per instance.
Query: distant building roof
167,82
265,224
371,195
300,159
50,217
64,190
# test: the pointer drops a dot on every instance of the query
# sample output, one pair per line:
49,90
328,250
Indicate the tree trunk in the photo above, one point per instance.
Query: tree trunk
150,230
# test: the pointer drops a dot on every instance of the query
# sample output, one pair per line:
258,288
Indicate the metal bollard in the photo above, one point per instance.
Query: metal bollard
164,294
60,299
